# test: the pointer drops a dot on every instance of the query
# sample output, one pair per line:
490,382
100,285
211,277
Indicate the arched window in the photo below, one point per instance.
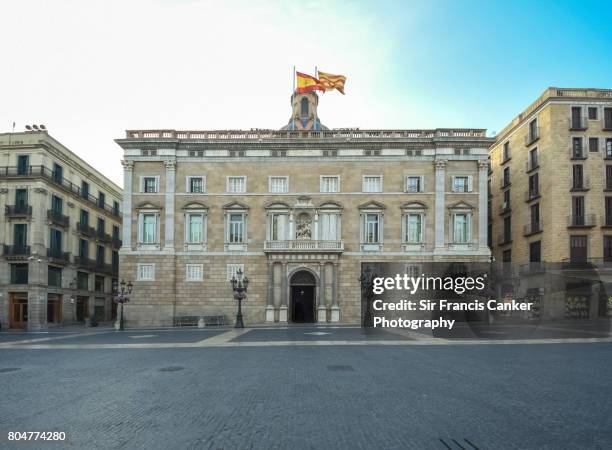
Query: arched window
304,107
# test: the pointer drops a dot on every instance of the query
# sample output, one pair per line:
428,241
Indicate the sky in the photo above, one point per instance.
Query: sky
89,70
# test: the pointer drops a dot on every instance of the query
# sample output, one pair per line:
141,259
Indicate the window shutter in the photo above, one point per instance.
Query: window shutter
469,183
422,183
453,189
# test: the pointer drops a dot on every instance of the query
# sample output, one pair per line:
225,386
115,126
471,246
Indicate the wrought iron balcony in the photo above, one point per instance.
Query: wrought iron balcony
504,208
532,228
86,230
578,123
16,250
103,237
585,220
303,245
58,219
18,211
58,256
93,266
116,242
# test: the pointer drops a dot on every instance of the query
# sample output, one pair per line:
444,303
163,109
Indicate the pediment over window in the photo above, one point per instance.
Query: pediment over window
235,205
330,205
371,205
277,205
195,205
460,205
414,205
147,205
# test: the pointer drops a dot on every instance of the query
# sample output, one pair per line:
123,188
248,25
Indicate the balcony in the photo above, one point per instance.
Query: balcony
16,250
86,230
577,153
304,245
103,237
93,266
53,177
582,221
504,238
18,211
581,184
58,219
532,195
578,123
532,228
532,135
58,256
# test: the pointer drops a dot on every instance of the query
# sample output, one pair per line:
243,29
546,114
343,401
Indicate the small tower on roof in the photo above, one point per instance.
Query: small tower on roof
304,112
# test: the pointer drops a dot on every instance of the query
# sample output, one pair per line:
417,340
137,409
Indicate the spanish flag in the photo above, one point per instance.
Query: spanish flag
331,82
307,83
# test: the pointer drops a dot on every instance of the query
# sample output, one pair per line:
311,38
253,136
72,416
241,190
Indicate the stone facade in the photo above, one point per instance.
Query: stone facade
293,222
47,276
564,139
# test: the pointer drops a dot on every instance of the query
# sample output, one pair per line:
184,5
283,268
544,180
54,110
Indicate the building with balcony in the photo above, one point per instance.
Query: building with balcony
298,211
551,169
60,234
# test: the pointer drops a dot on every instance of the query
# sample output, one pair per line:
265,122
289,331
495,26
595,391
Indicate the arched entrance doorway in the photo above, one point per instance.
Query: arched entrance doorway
303,285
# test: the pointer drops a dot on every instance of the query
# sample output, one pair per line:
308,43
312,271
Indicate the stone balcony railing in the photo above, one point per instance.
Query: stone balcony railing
303,245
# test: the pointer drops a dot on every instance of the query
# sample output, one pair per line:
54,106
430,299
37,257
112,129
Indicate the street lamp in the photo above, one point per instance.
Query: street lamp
122,297
239,286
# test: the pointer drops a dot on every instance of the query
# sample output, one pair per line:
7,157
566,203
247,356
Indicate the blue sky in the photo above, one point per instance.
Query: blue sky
91,69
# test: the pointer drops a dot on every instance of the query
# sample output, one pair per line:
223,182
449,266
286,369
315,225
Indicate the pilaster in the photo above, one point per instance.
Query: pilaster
483,175
128,171
169,204
440,171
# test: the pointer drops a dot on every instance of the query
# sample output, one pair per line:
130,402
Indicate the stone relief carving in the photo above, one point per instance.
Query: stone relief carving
303,229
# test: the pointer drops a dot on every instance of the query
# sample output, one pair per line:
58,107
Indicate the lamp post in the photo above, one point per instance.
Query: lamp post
239,286
122,297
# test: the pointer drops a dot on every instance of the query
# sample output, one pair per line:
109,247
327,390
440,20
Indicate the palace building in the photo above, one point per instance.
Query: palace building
60,230
298,210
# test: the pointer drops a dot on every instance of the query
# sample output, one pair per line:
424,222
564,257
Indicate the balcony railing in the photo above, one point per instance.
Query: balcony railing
505,208
532,228
116,242
103,237
49,174
16,250
532,194
578,123
304,245
58,219
93,266
577,153
532,135
18,210
86,230
58,255
581,184
586,220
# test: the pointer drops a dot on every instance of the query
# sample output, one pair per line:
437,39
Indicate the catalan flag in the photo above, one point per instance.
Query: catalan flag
331,82
307,83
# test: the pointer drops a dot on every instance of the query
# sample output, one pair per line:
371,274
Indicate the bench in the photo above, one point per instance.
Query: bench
192,321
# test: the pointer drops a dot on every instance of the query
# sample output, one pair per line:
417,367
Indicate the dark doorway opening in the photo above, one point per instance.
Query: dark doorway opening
303,297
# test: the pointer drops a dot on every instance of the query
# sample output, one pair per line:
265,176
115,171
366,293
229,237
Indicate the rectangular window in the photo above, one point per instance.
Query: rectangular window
20,237
196,185
278,227
115,260
195,228
607,118
19,273
372,183
57,205
592,111
232,271
577,122
146,272
371,228
100,255
506,155
58,173
115,232
460,228
330,184
84,189
414,228
23,164
54,276
83,281
101,199
577,176
506,176
101,226
609,177
414,184
99,283
578,248
609,148
329,225
460,184
149,228
236,228
535,217
507,256
507,229
150,185
607,248
534,185
533,130
84,219
55,242
577,147
83,249
236,184
608,211
578,210
21,199
593,144
194,272
533,158
278,184
535,251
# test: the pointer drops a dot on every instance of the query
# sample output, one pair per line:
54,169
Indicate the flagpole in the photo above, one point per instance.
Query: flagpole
317,105
292,98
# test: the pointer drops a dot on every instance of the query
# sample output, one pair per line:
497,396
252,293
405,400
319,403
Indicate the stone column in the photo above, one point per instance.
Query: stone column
322,309
483,175
335,309
282,315
128,171
440,169
270,305
169,204
37,271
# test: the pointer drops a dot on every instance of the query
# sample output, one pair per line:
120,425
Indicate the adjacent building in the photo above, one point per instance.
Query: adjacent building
298,210
60,229
550,204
